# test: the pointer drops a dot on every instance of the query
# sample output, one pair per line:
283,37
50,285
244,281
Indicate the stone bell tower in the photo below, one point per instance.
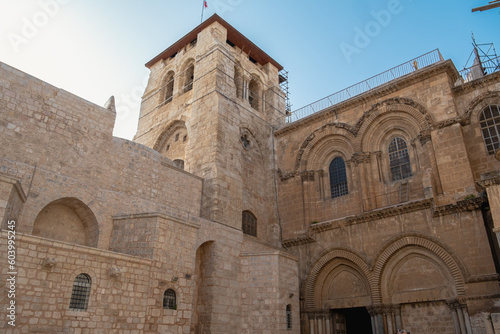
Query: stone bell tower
211,105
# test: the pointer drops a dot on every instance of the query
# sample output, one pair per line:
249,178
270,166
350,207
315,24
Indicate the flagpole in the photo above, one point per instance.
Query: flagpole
202,9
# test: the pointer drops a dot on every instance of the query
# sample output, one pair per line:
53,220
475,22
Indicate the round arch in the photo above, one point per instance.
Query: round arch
312,151
326,271
397,253
67,219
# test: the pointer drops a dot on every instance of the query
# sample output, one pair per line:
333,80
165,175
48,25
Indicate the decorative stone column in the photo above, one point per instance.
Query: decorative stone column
460,316
320,322
377,317
386,319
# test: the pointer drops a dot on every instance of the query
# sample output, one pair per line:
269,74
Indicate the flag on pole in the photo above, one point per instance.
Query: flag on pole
205,5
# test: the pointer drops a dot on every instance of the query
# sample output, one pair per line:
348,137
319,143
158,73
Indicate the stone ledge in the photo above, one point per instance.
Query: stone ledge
35,240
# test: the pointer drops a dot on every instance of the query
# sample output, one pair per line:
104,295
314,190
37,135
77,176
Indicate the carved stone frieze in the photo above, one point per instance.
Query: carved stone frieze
460,206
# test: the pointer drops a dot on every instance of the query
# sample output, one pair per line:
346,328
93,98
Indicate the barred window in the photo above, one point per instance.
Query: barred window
169,300
399,159
249,223
338,178
289,316
81,292
490,127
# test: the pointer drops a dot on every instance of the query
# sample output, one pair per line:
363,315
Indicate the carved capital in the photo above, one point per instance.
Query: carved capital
424,137
307,175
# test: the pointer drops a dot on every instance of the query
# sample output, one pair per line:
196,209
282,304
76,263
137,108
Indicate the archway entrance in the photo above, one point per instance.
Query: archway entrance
355,320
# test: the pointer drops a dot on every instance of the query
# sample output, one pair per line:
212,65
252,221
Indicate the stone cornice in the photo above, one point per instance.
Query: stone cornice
477,83
460,206
378,92
483,278
300,240
387,212
489,179
373,215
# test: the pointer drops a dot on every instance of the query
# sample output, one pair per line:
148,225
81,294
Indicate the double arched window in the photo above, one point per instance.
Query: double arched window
338,177
399,159
489,121
80,293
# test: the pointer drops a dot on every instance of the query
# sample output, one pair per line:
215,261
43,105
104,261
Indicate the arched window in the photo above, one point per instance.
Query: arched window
254,94
189,78
289,316
169,300
249,223
490,127
338,178
169,87
399,159
80,293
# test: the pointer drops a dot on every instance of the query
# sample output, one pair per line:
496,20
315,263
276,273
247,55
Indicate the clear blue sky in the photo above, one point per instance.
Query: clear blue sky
98,48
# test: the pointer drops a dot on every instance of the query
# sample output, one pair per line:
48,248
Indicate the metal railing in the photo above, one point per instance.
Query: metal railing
478,70
364,86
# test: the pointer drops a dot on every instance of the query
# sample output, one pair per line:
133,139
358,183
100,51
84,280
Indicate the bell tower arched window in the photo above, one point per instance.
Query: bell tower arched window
338,177
399,159
169,87
189,77
489,120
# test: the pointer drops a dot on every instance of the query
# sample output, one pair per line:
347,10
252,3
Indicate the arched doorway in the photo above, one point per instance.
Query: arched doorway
338,294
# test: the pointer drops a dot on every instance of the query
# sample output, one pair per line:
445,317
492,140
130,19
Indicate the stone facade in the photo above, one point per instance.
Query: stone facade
219,216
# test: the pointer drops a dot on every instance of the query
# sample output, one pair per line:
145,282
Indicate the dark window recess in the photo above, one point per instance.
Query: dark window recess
252,60
184,138
289,316
245,141
230,43
169,300
173,56
176,137
338,178
179,163
80,293
193,42
167,148
249,223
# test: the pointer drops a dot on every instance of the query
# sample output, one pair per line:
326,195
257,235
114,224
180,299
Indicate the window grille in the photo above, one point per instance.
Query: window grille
169,300
249,223
80,293
399,159
338,178
289,316
490,127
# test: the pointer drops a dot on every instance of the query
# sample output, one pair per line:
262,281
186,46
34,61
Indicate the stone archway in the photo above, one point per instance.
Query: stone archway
69,220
